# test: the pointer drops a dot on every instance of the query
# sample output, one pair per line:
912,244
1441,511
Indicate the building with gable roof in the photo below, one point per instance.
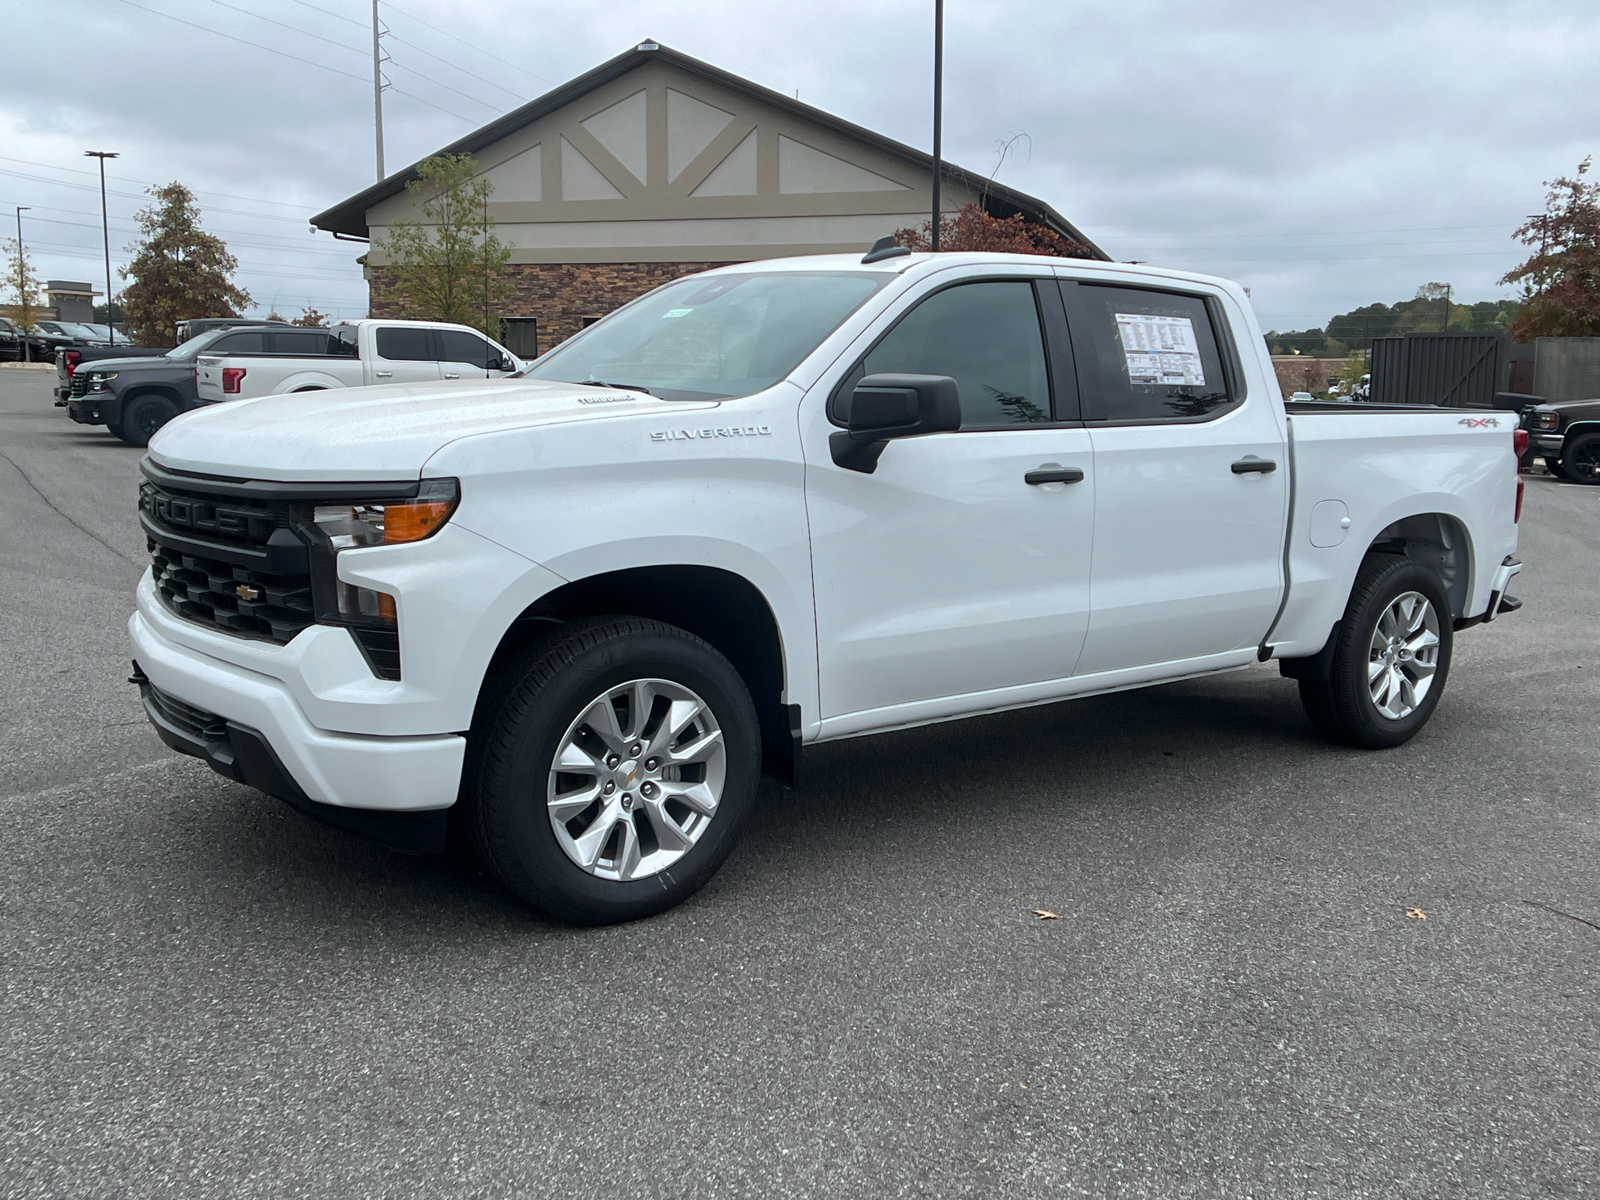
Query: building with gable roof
655,165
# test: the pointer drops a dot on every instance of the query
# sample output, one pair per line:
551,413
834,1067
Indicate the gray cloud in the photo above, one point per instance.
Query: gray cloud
1326,156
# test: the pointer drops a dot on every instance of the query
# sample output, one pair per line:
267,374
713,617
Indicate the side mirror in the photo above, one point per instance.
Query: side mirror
893,406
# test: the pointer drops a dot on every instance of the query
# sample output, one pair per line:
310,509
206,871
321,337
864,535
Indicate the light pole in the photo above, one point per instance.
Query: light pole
105,228
938,110
22,280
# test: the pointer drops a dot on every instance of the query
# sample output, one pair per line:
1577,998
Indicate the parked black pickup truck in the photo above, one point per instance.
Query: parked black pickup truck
1567,436
135,396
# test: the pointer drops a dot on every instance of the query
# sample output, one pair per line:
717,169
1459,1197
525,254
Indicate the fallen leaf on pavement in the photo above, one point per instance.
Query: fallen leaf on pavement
1044,914
1416,914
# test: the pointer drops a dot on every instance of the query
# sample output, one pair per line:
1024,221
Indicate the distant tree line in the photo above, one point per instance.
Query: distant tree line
1431,311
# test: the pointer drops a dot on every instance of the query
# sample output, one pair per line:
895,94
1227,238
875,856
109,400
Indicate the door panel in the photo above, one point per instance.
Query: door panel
944,572
1188,551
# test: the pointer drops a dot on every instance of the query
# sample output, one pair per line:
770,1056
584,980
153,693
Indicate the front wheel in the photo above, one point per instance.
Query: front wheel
616,773
1391,658
1580,459
142,416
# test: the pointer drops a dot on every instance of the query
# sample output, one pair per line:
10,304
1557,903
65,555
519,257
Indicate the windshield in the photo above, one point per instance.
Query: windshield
74,329
99,331
711,338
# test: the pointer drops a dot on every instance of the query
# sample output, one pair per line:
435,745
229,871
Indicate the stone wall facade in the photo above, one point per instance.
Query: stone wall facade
562,297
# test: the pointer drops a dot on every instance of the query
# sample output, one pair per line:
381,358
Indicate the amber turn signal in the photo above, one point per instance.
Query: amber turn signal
411,521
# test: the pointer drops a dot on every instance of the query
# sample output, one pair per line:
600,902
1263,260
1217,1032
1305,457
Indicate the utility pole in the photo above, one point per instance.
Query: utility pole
22,281
938,111
105,228
377,89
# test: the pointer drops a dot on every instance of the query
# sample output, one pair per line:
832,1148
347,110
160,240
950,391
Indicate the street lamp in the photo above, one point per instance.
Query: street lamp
105,227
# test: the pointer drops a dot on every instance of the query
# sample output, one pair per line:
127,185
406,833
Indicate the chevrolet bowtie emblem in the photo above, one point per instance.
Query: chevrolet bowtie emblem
245,592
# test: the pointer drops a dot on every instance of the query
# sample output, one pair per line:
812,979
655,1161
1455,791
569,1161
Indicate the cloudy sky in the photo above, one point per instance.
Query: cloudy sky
1326,155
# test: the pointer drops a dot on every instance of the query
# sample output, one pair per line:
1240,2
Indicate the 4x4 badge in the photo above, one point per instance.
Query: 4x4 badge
1480,422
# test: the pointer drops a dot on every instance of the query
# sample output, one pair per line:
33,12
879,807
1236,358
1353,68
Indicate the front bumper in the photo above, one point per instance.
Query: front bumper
91,409
1547,443
339,770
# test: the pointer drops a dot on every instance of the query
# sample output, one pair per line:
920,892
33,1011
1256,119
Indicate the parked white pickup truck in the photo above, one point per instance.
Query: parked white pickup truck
353,354
774,505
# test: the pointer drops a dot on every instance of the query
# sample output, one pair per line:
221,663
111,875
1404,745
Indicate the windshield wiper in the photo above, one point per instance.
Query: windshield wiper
627,387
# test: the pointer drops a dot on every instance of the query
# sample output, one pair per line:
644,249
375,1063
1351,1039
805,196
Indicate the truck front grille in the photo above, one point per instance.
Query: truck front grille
235,566
231,598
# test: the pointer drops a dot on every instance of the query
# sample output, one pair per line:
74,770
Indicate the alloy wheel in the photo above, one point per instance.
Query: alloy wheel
636,779
1404,655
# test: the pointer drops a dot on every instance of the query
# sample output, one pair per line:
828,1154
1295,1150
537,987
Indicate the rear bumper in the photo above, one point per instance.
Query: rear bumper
339,770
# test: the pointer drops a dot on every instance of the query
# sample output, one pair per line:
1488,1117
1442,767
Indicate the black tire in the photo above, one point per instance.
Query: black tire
1342,707
1580,459
545,690
142,416
1553,465
114,428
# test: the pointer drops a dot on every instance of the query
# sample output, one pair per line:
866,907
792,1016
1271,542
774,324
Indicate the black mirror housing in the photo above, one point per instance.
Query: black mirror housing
893,406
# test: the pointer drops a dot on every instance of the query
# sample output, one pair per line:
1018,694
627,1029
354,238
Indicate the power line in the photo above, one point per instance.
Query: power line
144,183
518,96
295,29
479,49
285,54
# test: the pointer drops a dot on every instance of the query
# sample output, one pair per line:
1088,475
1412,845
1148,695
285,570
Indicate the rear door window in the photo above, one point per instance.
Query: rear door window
304,345
1153,355
400,343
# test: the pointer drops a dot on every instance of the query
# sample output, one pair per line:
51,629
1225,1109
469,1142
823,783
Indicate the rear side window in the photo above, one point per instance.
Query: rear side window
302,344
398,343
343,341
459,347
1156,354
987,337
238,343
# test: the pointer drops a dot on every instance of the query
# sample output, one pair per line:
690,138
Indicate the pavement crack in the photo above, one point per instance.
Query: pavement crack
1559,913
28,479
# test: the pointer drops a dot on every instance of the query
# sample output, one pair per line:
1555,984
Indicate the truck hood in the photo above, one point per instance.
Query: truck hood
384,432
160,361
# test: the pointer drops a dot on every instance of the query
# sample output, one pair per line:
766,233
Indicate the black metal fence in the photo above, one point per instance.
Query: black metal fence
1455,370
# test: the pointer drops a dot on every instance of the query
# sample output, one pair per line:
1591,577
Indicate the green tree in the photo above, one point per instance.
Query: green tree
24,287
178,270
449,266
1561,279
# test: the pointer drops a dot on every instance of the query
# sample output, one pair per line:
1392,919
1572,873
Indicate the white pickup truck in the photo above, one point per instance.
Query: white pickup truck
580,612
270,362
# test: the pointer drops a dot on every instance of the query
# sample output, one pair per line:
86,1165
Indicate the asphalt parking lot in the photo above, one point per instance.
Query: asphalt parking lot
206,994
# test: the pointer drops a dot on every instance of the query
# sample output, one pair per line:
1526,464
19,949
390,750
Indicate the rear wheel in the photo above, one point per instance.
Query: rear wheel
142,416
1580,459
617,771
1391,658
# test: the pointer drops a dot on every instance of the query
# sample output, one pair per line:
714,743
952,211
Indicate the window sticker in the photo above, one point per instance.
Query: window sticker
673,313
1160,350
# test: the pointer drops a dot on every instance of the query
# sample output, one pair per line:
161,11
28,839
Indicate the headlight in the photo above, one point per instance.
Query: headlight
335,528
1544,420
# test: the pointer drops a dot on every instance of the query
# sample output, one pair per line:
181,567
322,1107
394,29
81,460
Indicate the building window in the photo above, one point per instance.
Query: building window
520,335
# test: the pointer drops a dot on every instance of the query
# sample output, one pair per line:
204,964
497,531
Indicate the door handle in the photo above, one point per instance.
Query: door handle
1260,466
448,375
384,374
1053,475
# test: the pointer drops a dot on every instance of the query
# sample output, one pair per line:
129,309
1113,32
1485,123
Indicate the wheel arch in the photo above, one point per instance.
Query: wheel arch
719,606
1438,541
